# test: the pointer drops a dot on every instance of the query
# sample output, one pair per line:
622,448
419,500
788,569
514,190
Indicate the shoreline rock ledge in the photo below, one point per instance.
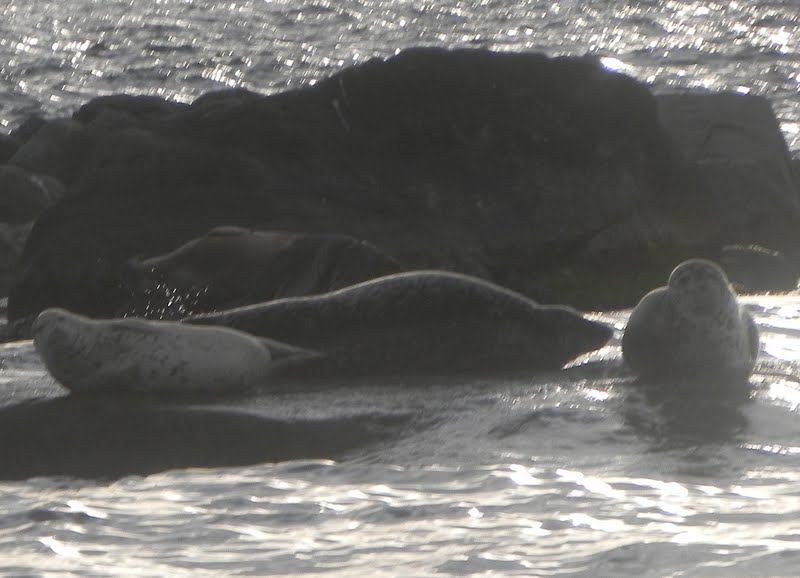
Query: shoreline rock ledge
555,177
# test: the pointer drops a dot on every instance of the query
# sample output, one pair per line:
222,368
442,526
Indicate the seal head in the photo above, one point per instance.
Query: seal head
693,329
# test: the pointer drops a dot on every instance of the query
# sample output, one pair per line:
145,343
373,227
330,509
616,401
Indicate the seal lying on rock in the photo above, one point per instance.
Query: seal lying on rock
137,355
691,330
231,266
418,323
422,322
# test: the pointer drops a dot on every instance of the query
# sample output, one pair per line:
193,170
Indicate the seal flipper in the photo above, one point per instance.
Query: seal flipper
282,351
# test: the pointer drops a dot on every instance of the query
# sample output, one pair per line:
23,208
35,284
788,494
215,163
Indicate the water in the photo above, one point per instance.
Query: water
582,473
578,474
55,55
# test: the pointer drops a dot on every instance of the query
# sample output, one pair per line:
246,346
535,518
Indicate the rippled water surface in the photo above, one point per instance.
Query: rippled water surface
578,474
582,473
56,54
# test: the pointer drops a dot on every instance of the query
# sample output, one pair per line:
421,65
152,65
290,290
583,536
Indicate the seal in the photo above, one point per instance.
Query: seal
135,355
232,266
693,329
420,323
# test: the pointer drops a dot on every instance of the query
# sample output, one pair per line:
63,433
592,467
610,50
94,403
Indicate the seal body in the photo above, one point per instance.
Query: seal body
692,329
421,322
137,355
231,266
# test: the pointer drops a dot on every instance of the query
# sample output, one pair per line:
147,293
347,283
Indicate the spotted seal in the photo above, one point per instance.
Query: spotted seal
421,322
692,329
124,355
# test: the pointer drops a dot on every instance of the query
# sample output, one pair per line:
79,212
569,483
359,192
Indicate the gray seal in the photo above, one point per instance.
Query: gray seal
693,329
420,322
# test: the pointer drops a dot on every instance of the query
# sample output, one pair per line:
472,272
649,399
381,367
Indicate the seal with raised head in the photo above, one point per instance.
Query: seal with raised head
231,266
693,329
420,322
135,355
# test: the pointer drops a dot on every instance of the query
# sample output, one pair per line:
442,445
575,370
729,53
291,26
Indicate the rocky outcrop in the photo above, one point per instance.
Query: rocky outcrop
23,196
8,146
754,269
745,188
12,241
554,177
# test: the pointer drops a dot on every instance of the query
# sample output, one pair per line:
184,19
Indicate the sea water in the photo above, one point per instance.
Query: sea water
580,473
56,54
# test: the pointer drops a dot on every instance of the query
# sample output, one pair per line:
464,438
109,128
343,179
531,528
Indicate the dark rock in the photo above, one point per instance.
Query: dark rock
465,160
55,149
744,187
231,266
23,196
29,127
3,319
8,146
139,108
12,240
554,177
754,269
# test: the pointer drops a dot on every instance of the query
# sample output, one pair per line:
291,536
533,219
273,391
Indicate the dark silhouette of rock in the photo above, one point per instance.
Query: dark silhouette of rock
12,241
25,131
137,108
8,146
54,149
3,319
554,177
754,269
745,191
23,195
231,266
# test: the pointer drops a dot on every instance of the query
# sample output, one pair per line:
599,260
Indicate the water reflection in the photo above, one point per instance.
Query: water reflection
671,416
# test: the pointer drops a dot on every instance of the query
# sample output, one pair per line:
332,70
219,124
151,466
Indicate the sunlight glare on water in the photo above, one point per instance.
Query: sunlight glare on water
179,49
574,474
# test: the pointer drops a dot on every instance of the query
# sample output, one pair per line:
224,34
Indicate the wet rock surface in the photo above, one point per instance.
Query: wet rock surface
555,177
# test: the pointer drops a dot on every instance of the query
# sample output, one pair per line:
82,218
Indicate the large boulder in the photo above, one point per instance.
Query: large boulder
8,146
555,177
23,195
12,241
54,149
747,189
